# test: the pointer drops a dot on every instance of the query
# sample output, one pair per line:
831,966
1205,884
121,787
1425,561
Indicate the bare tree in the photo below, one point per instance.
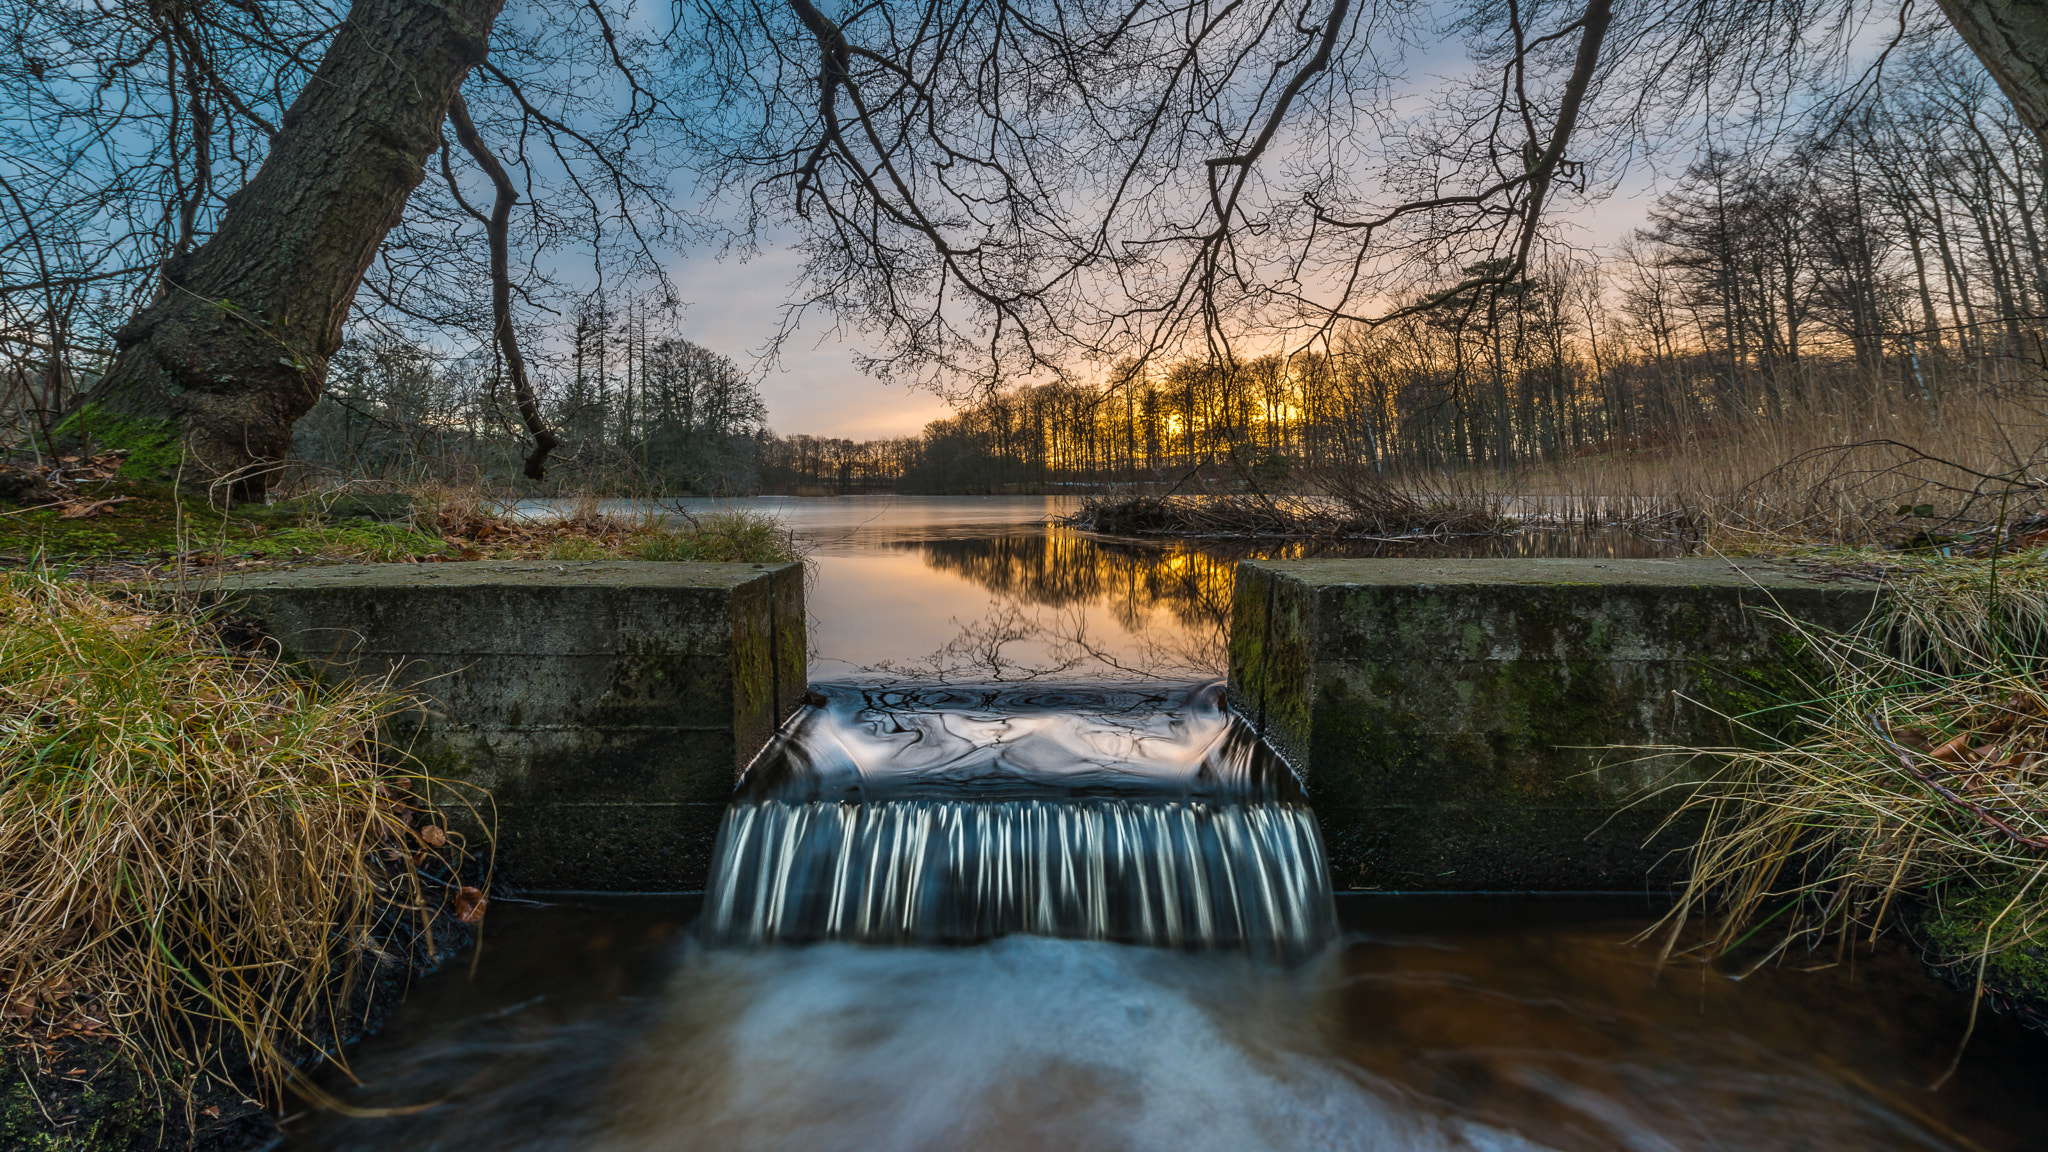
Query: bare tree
1011,187
235,173
233,349
995,187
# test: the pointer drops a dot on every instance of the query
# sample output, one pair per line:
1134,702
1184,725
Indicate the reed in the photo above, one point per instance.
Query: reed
1327,503
196,846
1915,773
1837,461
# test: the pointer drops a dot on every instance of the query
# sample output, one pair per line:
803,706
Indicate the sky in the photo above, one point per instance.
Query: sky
734,308
813,386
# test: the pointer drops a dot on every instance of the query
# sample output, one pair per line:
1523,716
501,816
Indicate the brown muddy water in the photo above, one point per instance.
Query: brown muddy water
598,1025
1021,883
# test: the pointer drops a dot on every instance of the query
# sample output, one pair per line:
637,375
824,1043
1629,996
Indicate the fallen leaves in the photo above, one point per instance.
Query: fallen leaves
1992,768
86,510
469,905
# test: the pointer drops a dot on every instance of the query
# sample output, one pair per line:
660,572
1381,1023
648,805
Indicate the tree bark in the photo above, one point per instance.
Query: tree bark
212,375
2011,38
496,227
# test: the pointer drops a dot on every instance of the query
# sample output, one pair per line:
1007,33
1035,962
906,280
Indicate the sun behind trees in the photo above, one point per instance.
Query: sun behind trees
1877,278
991,191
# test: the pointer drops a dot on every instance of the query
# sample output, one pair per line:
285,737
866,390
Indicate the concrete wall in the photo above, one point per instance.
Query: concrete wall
1449,716
607,706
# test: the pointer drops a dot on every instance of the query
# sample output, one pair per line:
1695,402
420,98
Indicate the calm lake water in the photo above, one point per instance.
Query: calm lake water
1016,719
985,586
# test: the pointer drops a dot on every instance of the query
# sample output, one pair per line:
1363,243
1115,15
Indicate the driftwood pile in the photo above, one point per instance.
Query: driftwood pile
1341,505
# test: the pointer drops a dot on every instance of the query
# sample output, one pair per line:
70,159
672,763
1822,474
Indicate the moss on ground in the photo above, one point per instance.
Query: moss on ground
155,448
89,1097
1952,929
151,522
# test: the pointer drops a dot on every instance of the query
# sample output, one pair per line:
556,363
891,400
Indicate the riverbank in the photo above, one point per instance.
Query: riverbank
82,512
214,871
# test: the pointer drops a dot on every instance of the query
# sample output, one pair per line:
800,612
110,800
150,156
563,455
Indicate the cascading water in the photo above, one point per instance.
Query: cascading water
1066,817
957,814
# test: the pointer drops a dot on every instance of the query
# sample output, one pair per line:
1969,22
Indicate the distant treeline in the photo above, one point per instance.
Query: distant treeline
1882,262
638,409
1878,264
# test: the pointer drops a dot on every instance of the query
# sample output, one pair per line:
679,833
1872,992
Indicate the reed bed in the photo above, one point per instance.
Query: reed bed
1835,461
196,846
1844,464
1916,775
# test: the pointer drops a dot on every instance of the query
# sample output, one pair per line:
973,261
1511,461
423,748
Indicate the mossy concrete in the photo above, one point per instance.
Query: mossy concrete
606,707
1456,722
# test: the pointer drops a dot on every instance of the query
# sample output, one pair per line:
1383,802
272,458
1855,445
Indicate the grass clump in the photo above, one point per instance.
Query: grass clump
361,540
719,537
1913,776
196,845
134,528
477,527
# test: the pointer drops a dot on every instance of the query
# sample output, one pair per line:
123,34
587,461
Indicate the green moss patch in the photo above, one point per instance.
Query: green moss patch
155,449
151,522
1953,929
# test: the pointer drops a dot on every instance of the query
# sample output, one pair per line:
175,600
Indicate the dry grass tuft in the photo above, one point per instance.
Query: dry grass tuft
194,844
478,526
1912,776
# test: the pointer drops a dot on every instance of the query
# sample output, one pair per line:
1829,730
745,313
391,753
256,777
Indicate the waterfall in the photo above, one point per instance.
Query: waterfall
953,815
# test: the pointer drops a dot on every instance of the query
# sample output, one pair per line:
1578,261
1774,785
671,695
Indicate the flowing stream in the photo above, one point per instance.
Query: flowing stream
962,814
1016,879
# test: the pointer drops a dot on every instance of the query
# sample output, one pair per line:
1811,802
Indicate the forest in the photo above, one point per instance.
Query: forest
1853,222
1892,262
1894,259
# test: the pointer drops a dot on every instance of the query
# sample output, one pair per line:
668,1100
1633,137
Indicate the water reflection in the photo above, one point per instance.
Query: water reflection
1067,603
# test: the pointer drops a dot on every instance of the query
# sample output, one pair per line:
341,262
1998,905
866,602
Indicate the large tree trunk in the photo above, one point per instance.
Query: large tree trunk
2011,38
212,375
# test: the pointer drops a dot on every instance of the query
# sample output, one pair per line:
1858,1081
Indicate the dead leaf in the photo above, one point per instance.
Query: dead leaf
432,836
1953,751
211,1112
469,905
89,510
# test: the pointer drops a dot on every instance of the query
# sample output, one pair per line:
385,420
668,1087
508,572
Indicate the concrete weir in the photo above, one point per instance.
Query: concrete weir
1451,718
606,706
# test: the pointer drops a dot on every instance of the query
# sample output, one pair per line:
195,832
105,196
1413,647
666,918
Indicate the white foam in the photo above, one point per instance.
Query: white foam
1026,1043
